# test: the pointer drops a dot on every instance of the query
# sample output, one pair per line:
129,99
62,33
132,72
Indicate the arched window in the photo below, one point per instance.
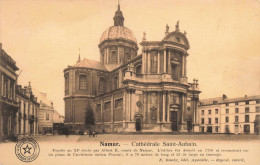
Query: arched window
83,82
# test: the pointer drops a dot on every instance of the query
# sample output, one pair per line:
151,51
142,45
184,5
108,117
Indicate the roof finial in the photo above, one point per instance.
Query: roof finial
79,57
167,29
177,26
118,18
144,36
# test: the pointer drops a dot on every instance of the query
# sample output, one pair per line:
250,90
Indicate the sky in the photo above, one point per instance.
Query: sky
44,37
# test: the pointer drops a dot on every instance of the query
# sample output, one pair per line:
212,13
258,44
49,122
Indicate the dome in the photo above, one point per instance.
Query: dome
118,32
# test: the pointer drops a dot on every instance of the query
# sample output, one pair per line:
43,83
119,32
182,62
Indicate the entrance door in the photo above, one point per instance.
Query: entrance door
138,125
209,129
246,128
173,119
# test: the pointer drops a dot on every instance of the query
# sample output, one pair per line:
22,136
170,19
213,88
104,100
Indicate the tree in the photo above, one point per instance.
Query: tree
89,117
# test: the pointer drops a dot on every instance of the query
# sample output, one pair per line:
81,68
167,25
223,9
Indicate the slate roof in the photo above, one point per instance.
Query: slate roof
87,63
220,100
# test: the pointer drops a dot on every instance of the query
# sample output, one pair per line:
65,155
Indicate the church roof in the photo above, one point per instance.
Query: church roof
90,64
221,100
118,32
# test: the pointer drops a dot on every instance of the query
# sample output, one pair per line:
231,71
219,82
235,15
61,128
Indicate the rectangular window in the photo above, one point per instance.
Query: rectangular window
216,129
66,82
202,129
108,105
119,103
98,107
237,110
236,118
247,102
236,103
246,118
257,109
202,112
227,119
209,120
11,90
216,111
113,57
202,120
257,101
47,116
115,82
246,109
102,85
216,120
227,111
209,112
227,104
82,82
5,88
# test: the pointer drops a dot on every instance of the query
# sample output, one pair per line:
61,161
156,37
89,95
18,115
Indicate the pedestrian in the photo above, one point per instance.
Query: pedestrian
89,132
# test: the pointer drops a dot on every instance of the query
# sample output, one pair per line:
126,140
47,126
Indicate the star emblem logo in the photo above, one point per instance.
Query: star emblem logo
27,149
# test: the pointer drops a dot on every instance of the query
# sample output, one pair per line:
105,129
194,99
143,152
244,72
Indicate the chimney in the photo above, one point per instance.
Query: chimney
224,97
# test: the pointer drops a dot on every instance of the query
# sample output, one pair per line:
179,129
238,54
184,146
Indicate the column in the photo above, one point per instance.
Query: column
164,61
169,62
107,55
144,105
164,107
22,112
133,105
112,113
118,55
124,108
158,107
129,105
168,106
183,66
149,62
158,62
101,111
143,62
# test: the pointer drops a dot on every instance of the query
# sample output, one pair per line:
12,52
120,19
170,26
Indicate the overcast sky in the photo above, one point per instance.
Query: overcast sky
44,37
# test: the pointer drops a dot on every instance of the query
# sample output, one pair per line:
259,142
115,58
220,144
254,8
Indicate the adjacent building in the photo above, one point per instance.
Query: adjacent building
26,118
45,114
8,104
230,115
133,92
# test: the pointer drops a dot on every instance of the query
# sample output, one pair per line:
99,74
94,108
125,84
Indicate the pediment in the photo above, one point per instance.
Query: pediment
177,37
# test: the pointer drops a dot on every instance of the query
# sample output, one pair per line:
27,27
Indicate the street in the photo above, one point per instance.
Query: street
151,137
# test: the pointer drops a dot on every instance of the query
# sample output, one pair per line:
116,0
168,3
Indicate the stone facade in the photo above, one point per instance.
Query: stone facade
8,103
27,120
45,114
131,92
230,115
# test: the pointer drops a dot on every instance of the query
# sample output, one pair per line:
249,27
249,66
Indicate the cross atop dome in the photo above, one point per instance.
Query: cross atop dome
118,18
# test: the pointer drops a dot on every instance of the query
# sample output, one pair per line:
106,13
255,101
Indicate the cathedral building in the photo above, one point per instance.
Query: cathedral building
131,92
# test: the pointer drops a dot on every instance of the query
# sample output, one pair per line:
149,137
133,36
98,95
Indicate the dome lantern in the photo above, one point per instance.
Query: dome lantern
118,18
